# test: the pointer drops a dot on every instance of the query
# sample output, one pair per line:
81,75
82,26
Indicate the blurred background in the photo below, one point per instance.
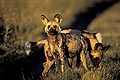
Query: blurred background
26,14
20,21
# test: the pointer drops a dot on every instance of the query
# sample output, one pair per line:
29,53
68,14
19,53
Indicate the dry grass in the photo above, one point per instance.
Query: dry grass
108,23
27,16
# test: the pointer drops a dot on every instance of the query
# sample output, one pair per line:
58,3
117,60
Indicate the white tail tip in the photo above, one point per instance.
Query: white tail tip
99,37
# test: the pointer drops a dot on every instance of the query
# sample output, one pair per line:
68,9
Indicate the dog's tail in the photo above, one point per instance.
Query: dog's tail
27,47
99,37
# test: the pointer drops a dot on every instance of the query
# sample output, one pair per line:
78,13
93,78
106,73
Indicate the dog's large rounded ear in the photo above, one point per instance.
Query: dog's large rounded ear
44,19
98,46
58,18
105,48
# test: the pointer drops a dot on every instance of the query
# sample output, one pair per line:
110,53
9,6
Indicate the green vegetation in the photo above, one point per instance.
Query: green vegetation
20,21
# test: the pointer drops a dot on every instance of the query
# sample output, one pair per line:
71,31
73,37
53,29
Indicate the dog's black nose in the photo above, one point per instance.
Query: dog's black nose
51,30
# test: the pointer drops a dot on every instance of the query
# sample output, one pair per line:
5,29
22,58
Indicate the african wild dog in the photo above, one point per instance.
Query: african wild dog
49,58
96,48
93,41
95,54
95,45
63,45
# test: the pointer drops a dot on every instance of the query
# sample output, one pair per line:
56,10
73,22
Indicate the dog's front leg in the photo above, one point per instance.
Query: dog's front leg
55,55
62,64
56,60
47,66
61,56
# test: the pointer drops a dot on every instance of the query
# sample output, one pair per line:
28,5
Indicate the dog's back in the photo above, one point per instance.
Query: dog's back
71,42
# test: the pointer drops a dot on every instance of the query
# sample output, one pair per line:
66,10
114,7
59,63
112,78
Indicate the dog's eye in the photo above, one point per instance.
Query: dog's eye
55,26
48,26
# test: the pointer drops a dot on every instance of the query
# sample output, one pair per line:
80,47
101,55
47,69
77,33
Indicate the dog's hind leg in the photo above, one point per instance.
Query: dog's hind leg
70,62
47,66
83,59
56,61
41,42
84,52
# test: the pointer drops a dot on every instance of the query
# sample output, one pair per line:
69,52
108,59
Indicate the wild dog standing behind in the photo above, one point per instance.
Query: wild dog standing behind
95,45
63,44
96,48
49,57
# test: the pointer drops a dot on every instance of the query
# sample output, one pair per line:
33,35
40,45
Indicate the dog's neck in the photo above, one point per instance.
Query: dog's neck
52,39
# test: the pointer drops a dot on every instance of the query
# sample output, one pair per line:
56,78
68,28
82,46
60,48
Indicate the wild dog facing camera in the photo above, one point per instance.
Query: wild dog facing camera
60,42
52,27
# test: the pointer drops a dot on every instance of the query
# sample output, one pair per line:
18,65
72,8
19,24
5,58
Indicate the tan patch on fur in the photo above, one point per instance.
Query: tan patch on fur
96,54
93,42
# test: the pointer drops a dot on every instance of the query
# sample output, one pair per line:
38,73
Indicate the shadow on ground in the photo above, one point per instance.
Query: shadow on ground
83,19
23,67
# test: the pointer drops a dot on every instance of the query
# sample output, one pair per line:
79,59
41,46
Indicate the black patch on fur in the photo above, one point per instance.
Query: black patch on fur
98,46
33,44
50,58
96,62
53,31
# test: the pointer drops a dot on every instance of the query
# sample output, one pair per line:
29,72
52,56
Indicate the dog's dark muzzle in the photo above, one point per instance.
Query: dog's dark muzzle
52,31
